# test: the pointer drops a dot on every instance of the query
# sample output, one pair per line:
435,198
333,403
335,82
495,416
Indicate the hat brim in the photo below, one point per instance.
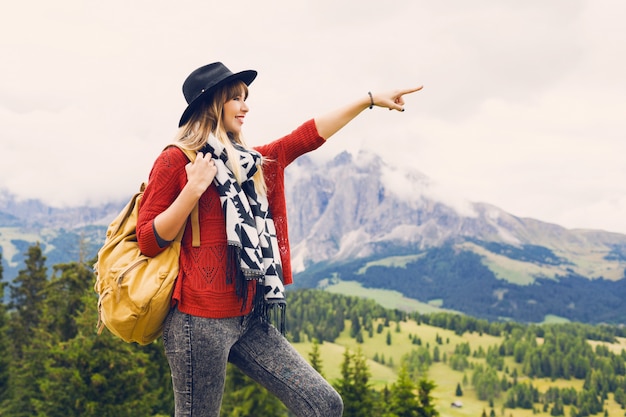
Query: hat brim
246,76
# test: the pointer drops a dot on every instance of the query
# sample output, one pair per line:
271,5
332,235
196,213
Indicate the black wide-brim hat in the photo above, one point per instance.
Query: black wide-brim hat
202,83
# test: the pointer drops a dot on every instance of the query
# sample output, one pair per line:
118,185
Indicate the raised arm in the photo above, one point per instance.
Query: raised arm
330,123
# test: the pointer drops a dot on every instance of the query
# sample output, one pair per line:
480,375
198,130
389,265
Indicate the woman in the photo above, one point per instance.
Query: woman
231,282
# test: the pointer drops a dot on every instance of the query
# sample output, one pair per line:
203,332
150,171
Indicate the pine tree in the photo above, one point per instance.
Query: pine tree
315,358
22,391
424,389
354,386
64,296
355,328
459,391
379,328
361,377
344,385
403,401
27,309
27,295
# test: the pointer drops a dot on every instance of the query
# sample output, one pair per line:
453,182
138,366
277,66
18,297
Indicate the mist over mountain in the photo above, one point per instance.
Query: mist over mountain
358,218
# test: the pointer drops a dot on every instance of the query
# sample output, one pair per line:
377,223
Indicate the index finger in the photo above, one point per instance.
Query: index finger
411,90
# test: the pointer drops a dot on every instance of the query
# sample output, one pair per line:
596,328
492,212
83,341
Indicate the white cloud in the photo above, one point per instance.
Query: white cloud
523,105
411,186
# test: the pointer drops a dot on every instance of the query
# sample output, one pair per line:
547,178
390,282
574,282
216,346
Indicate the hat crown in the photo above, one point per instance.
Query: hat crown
204,78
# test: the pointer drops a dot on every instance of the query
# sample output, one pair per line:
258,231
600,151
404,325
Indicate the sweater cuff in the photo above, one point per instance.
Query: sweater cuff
160,241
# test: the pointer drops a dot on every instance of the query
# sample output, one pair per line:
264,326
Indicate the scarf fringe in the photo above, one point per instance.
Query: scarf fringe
270,312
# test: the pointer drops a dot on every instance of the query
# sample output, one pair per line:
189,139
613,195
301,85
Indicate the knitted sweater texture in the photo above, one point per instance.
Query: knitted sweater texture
203,287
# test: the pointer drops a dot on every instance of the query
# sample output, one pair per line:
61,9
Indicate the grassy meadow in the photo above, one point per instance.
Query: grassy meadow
386,298
440,373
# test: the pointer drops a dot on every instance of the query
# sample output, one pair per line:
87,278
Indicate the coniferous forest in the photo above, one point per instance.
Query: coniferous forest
53,363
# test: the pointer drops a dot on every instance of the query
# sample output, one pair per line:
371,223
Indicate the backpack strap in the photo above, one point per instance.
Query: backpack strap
195,217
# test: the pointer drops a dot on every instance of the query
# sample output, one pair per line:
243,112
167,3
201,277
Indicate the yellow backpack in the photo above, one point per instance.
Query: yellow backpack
134,290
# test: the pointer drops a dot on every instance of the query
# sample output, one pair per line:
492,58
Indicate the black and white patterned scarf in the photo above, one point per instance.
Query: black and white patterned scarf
250,231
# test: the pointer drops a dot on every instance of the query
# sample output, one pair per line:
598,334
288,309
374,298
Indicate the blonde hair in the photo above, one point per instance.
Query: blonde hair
207,119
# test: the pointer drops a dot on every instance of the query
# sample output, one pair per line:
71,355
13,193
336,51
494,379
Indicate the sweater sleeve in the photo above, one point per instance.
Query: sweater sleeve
286,149
278,155
167,179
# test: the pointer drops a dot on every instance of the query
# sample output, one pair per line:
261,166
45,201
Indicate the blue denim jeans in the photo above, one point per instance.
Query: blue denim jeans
198,349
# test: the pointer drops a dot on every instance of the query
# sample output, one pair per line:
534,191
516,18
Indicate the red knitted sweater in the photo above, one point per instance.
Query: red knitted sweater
203,288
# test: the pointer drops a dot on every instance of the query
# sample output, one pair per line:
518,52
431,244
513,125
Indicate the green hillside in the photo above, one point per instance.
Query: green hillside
488,281
445,378
387,298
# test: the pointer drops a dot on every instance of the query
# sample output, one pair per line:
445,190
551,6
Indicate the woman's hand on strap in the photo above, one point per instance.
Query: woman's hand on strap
200,173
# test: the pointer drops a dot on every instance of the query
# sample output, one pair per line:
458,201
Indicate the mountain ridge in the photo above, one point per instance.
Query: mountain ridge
356,215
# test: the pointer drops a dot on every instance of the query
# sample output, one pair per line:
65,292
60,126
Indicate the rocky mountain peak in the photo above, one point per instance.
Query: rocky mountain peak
359,205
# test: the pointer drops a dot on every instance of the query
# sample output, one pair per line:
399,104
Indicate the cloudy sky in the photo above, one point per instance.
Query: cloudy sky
523,106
